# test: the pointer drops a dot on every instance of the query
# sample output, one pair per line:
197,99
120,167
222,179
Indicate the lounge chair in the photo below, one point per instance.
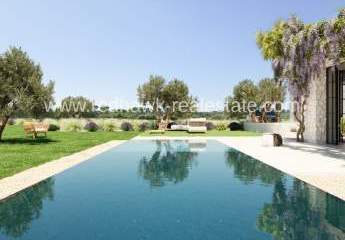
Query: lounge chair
34,129
197,125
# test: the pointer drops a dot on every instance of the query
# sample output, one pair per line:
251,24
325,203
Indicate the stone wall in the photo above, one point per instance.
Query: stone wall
315,114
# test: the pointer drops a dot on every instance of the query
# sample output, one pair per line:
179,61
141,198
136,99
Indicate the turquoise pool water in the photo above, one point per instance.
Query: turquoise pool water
172,190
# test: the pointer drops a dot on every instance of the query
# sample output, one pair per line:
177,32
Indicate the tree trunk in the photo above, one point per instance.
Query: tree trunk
300,119
4,121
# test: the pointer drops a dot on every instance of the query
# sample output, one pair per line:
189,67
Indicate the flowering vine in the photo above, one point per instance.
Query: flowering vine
299,53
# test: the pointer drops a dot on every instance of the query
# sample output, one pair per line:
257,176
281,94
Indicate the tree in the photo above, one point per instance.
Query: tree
151,93
77,107
166,99
270,90
244,92
299,52
21,86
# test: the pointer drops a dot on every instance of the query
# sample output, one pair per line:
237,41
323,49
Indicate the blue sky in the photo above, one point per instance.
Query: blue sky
105,49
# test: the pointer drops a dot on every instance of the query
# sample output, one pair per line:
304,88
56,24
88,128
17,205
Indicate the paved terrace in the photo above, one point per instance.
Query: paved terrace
322,166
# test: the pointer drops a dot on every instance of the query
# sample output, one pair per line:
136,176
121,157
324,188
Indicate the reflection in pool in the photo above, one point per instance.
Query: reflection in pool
168,163
299,211
172,190
17,213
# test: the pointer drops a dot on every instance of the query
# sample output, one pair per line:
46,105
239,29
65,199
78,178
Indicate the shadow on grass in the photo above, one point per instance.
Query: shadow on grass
28,141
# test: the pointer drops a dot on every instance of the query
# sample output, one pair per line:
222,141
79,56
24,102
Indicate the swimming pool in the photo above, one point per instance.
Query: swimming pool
147,189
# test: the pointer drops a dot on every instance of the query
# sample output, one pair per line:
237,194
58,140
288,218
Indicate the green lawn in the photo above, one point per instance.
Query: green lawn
212,133
18,152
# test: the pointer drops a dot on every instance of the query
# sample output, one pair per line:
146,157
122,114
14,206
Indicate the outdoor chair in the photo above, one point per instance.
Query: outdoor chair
162,127
34,129
197,125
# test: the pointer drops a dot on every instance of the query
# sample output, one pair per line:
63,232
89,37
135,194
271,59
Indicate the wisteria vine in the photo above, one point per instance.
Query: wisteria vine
299,53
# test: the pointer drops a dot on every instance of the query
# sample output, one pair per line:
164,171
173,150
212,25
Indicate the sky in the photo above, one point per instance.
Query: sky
104,49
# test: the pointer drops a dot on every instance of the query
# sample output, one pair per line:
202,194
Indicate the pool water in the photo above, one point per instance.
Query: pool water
172,190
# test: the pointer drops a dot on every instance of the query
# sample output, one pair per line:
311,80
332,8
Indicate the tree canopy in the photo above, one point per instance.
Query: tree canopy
247,91
21,86
76,107
167,99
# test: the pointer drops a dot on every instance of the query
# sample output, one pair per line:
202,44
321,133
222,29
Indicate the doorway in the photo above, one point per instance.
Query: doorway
335,104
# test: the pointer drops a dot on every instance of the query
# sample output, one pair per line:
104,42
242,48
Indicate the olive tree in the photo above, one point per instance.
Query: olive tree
167,99
244,92
151,94
247,92
21,86
77,107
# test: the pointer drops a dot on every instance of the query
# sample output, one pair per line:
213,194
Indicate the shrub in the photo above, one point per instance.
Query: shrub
20,121
109,126
53,127
126,126
342,125
73,126
11,121
91,127
136,125
152,125
143,126
235,126
210,126
221,127
51,121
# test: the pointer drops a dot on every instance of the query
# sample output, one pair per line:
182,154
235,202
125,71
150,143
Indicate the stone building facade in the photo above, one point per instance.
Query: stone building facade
317,119
315,111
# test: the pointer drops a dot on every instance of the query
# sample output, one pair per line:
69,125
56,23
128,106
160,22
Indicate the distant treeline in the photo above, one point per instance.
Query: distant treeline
133,113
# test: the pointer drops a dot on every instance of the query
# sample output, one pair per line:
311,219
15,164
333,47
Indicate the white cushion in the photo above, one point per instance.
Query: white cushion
197,129
179,127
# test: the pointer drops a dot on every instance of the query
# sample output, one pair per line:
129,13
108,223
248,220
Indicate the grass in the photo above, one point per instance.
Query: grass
212,133
18,152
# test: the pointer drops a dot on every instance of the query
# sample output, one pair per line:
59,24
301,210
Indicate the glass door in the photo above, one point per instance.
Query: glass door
335,104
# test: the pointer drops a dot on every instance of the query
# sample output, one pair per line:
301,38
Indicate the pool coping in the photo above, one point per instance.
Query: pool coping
322,166
11,185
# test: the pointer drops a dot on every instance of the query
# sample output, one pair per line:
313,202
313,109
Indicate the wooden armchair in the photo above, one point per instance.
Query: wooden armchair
162,126
34,129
